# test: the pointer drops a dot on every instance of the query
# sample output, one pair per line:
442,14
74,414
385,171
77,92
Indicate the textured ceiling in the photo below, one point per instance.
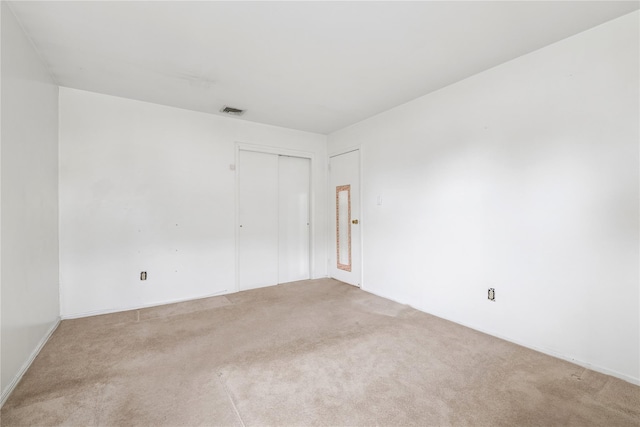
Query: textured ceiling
314,66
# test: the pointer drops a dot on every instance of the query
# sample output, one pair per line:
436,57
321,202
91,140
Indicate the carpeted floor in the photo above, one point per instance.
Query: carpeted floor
308,353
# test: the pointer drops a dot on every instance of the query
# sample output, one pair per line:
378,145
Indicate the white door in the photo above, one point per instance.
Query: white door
273,219
344,195
257,219
294,190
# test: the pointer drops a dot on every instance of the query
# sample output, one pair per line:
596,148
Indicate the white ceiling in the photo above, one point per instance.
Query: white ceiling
314,66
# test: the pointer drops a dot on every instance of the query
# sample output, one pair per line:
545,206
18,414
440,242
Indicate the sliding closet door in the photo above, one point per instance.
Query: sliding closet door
258,220
294,185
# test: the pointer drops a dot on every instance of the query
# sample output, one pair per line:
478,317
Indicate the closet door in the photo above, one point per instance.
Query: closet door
293,199
257,219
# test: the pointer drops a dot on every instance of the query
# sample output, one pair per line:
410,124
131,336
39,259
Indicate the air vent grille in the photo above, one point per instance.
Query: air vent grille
233,111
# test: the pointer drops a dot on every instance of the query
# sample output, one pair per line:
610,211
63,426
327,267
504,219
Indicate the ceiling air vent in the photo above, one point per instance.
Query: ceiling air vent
233,111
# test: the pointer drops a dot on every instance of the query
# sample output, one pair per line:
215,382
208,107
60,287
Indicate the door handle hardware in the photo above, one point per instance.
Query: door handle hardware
355,221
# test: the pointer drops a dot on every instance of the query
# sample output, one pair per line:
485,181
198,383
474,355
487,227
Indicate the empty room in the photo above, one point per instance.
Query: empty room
320,213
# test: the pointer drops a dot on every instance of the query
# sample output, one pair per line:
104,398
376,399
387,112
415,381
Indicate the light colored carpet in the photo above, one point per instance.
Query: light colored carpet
317,352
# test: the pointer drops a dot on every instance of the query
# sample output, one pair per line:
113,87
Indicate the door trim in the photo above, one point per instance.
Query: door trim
244,146
330,214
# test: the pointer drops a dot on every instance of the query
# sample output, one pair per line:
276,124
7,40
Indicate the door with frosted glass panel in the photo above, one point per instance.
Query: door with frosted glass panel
344,193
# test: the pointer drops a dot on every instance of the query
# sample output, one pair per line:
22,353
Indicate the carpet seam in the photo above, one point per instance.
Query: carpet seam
233,405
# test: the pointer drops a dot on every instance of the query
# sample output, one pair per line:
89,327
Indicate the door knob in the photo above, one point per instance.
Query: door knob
355,221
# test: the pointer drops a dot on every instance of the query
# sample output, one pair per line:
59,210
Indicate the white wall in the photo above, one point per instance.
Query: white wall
29,200
523,178
145,187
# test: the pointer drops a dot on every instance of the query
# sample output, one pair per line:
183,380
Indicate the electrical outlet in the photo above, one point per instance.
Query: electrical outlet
143,275
492,294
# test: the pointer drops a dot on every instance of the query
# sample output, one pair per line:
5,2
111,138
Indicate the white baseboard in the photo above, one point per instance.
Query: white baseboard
12,385
139,307
548,352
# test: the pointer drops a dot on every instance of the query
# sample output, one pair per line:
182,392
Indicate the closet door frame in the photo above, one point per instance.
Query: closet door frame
243,146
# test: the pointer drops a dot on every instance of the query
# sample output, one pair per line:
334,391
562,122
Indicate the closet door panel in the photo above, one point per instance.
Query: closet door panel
258,219
294,226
